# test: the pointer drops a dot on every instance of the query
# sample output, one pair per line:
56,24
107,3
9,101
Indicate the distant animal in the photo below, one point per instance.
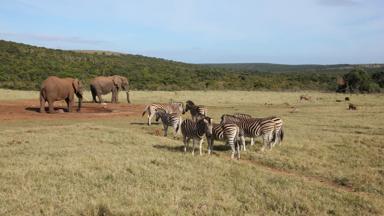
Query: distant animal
254,127
55,89
352,107
228,132
346,98
196,111
169,119
175,107
102,85
303,97
338,100
196,130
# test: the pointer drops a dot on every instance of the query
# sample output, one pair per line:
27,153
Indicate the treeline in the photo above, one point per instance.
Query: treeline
25,67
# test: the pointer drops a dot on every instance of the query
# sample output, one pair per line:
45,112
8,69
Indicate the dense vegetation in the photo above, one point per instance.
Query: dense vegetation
24,67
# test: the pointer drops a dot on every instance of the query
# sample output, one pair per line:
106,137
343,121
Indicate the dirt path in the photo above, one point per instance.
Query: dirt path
29,110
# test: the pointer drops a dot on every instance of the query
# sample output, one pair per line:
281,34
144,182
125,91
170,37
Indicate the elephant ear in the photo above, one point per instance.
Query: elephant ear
117,81
76,85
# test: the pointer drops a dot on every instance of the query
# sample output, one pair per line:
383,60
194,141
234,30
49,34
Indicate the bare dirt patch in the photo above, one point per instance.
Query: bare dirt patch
29,110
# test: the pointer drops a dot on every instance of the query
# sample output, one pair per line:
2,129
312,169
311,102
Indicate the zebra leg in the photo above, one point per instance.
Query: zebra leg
238,149
201,146
252,141
186,143
165,129
265,141
230,142
210,145
150,116
243,142
193,147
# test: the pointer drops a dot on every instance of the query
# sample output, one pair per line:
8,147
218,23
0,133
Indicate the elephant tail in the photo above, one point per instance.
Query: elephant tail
42,94
145,110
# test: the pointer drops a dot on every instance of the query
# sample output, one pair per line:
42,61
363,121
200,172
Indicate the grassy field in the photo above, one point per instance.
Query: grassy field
331,161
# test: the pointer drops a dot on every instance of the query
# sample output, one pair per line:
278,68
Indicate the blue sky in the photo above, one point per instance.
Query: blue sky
205,31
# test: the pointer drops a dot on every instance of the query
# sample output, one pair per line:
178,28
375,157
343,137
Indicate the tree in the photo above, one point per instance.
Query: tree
378,78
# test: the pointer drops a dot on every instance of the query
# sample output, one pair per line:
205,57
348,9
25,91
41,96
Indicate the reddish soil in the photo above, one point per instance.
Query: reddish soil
29,110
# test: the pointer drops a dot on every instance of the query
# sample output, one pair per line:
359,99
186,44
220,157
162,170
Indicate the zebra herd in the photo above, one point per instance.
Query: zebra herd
232,128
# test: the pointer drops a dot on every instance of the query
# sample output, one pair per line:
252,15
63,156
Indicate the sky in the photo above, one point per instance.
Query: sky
205,31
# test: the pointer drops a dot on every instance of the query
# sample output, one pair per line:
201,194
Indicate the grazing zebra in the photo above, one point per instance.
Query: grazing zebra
227,132
196,131
195,110
174,107
254,127
168,119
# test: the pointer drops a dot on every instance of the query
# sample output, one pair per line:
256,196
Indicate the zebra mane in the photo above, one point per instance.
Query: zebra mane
189,102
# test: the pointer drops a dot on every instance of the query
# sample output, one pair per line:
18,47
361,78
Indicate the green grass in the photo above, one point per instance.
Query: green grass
330,163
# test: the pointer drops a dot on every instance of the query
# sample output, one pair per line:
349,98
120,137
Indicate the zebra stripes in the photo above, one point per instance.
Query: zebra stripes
227,132
196,111
196,131
254,127
174,107
169,119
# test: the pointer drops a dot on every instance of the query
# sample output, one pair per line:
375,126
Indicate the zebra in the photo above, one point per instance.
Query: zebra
196,111
174,107
195,130
168,119
254,127
279,127
228,132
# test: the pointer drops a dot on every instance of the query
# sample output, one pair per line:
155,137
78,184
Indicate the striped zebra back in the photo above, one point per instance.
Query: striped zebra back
225,131
250,126
241,115
197,129
170,119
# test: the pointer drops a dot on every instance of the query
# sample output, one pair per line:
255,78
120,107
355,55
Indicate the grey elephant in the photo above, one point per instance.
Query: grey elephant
102,85
55,89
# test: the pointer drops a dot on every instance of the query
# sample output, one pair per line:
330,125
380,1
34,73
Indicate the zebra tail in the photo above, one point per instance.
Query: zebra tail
145,110
281,134
274,135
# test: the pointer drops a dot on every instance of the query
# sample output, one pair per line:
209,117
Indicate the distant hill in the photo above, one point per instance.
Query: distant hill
24,66
267,67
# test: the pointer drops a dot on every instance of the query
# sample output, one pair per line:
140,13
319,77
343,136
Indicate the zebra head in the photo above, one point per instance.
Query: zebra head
159,113
205,124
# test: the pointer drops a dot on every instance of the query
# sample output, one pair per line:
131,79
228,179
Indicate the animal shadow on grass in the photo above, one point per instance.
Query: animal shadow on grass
37,109
181,148
144,123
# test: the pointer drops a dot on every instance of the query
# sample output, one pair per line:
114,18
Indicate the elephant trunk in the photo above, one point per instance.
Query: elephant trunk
128,99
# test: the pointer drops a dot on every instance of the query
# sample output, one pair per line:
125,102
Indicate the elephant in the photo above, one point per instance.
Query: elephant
102,85
55,88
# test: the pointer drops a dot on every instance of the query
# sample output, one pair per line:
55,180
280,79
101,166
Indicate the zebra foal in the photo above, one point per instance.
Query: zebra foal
169,119
196,131
174,107
227,132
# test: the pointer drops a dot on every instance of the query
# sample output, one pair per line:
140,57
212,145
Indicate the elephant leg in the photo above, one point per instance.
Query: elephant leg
113,97
100,98
42,104
69,104
117,97
50,105
94,96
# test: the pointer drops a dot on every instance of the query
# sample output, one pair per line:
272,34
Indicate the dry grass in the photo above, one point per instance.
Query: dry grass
330,163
